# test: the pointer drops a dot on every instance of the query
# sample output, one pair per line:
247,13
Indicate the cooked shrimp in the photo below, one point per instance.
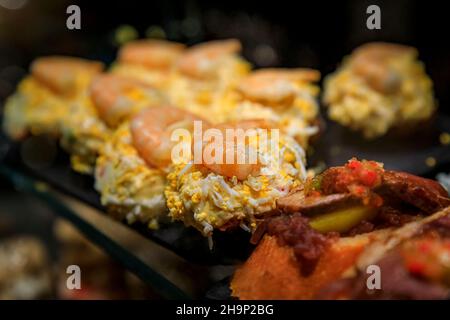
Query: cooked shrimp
200,61
240,171
115,97
275,85
60,73
152,54
231,150
384,50
371,61
152,128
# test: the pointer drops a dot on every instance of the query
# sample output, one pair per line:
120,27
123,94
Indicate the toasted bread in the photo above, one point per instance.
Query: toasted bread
272,272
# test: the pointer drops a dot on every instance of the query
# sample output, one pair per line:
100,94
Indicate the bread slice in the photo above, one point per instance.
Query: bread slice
272,272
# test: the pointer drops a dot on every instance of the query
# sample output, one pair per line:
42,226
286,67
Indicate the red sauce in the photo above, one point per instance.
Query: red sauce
307,244
424,256
359,178
362,174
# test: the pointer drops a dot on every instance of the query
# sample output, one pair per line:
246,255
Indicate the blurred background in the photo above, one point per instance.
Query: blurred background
282,33
34,245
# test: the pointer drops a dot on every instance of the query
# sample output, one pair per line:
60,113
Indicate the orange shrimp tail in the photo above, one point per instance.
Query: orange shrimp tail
152,54
59,73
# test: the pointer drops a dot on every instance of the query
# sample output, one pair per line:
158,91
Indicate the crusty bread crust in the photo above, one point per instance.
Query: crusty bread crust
272,272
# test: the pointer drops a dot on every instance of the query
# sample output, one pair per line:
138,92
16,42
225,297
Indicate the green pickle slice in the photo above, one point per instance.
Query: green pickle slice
342,220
